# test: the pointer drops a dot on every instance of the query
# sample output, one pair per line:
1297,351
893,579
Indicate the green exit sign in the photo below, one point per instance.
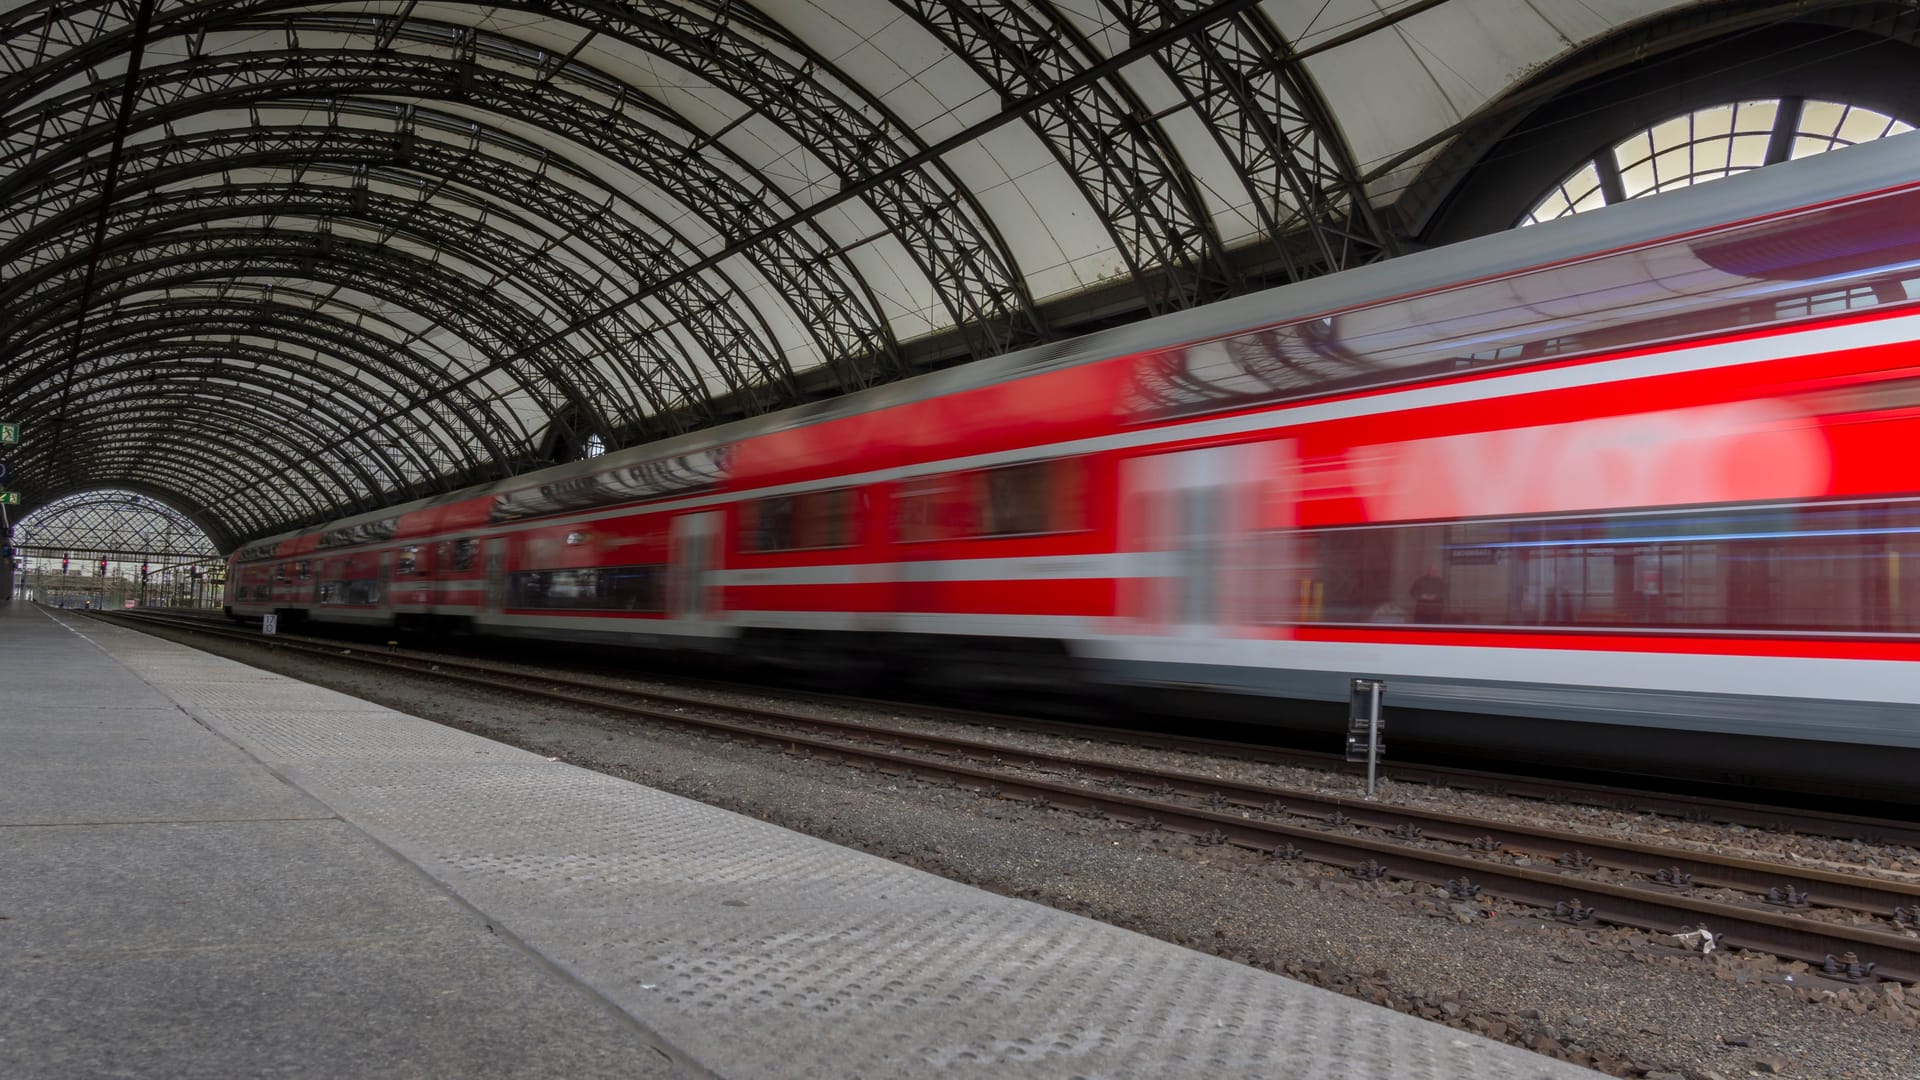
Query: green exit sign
9,433
9,498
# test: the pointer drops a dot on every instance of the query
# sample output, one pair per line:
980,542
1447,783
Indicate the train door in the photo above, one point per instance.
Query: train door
692,556
1189,520
495,564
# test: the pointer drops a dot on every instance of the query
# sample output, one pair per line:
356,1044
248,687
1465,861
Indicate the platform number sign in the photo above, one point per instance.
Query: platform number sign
9,433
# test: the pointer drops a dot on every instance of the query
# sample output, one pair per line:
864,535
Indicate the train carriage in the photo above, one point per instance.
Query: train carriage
1635,488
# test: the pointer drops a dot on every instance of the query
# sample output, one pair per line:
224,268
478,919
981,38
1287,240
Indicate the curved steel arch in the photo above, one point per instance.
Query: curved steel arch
1275,127
226,388
433,226
271,425
173,362
256,411
479,241
451,299
252,252
98,521
213,529
761,64
273,430
365,157
213,450
1122,166
273,480
1521,142
802,264
162,320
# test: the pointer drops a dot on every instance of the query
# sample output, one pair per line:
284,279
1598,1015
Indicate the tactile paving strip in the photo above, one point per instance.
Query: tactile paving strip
366,734
758,952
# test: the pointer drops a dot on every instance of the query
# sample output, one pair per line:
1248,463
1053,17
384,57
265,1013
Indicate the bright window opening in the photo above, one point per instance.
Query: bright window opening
1709,144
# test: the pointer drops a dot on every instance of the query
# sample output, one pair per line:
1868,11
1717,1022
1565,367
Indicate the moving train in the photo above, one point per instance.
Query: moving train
1636,489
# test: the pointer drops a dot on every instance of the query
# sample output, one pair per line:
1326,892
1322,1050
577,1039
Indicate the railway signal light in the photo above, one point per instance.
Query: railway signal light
103,568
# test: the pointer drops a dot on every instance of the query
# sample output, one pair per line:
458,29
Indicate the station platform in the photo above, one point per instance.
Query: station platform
210,870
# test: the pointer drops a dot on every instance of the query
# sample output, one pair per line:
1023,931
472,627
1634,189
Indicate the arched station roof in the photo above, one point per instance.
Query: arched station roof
120,526
279,262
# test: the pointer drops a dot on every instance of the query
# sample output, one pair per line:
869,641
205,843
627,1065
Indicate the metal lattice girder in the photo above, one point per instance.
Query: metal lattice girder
1122,166
665,162
114,522
481,240
1274,127
495,258
245,398
728,45
220,258
481,167
304,387
282,396
141,416
264,480
456,302
298,328
780,78
628,129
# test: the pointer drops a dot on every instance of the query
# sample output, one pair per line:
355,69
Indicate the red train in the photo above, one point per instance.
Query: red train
1637,488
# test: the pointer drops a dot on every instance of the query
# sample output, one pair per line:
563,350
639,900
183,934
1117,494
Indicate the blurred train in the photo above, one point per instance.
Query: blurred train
1637,489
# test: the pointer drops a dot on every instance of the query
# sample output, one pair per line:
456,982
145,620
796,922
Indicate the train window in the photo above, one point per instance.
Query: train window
408,562
1030,498
350,592
1829,303
811,519
924,509
1014,500
1822,568
601,588
823,518
767,524
1884,395
463,554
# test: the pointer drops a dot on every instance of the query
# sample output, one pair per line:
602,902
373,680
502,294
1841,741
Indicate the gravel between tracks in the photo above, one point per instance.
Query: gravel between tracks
1626,1003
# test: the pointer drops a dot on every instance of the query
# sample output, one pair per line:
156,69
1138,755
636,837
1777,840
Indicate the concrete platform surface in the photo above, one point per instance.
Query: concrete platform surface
209,870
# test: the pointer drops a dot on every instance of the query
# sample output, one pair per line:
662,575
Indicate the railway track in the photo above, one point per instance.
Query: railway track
1848,927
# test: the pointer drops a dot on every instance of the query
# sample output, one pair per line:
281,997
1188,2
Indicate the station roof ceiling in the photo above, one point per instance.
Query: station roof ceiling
279,262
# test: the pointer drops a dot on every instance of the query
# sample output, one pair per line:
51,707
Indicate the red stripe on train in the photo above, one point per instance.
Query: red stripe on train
1075,596
1624,642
